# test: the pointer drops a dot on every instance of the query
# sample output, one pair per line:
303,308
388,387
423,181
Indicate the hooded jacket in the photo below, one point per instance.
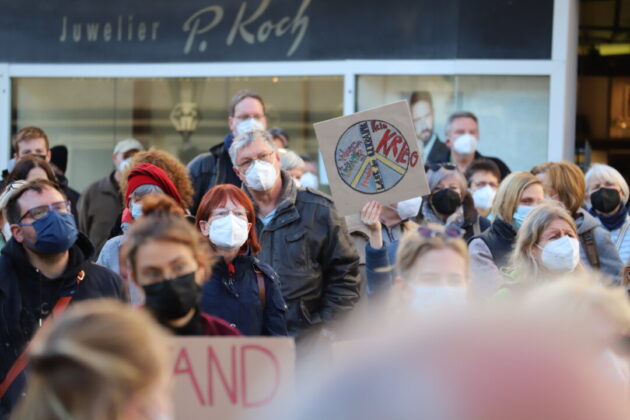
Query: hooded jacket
609,260
27,296
308,245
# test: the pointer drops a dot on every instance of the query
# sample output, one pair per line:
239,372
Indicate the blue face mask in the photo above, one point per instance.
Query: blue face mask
56,233
136,210
519,216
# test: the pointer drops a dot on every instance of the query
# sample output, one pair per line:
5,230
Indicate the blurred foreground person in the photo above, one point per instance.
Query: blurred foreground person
564,182
45,267
98,361
242,290
600,313
607,192
502,366
450,204
170,260
546,247
432,265
490,252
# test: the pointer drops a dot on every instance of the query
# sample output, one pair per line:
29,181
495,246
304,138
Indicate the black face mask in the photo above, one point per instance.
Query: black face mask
445,201
172,299
605,200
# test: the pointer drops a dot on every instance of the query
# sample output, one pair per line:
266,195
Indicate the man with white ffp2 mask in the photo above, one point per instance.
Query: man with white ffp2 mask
301,236
483,178
462,140
246,113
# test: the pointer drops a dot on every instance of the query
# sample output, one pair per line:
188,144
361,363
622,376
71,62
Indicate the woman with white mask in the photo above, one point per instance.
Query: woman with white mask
547,247
490,252
242,290
433,269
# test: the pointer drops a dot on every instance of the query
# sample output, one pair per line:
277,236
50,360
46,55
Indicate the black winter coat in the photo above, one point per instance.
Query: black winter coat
210,169
232,294
26,296
308,245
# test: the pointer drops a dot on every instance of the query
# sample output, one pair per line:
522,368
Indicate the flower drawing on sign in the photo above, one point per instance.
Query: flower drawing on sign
373,156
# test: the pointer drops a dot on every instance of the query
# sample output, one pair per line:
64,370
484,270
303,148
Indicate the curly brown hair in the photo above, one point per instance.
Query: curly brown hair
175,170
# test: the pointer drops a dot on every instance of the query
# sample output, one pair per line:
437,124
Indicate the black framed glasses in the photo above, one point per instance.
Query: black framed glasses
437,166
447,232
40,212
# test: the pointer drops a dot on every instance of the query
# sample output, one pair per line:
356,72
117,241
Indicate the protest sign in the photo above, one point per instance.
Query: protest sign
372,155
231,377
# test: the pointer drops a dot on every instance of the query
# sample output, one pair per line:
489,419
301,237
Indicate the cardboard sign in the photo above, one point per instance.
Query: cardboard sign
372,156
231,377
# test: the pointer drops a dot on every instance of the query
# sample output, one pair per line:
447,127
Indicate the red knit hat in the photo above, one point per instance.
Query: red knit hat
146,173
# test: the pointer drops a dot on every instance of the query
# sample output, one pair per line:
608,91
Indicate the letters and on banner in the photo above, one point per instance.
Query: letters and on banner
231,378
372,156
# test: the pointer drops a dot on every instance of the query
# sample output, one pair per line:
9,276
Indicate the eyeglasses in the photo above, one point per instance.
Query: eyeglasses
437,166
448,232
224,212
263,156
40,212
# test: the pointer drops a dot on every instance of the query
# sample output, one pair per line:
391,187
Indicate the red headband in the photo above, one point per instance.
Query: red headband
146,173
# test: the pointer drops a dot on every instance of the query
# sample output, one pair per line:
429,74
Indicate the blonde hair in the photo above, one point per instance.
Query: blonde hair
567,180
414,246
509,194
524,263
578,297
91,361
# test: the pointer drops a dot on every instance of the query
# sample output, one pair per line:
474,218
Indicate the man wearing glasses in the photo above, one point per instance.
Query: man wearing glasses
301,236
45,267
247,112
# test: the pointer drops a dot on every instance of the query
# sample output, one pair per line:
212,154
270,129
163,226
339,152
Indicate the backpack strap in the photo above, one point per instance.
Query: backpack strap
20,363
590,247
622,233
262,291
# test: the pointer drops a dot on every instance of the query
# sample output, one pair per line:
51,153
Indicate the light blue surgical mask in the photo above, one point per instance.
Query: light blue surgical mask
136,210
519,216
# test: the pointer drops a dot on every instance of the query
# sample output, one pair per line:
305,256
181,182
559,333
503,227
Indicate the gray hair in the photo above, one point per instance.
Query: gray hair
605,173
146,189
290,160
247,138
456,115
435,177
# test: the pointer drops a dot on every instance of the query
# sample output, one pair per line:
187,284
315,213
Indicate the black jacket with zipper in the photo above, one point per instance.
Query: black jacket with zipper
308,245
27,296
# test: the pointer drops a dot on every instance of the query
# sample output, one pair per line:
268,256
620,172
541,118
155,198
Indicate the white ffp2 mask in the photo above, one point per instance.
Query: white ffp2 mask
249,124
562,254
260,175
408,208
228,232
483,197
465,144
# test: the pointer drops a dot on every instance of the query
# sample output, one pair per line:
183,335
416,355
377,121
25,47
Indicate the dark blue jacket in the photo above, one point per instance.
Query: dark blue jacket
26,296
232,294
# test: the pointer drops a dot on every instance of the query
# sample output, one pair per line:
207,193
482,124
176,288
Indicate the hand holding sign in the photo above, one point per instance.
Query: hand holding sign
372,155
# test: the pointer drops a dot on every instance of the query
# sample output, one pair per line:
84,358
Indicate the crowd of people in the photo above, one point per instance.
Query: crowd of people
241,242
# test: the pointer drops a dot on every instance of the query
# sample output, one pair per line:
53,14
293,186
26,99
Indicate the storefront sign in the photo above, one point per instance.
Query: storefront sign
58,31
231,378
372,155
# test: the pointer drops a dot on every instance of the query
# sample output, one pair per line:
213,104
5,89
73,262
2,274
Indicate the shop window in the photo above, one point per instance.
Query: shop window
90,115
513,111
